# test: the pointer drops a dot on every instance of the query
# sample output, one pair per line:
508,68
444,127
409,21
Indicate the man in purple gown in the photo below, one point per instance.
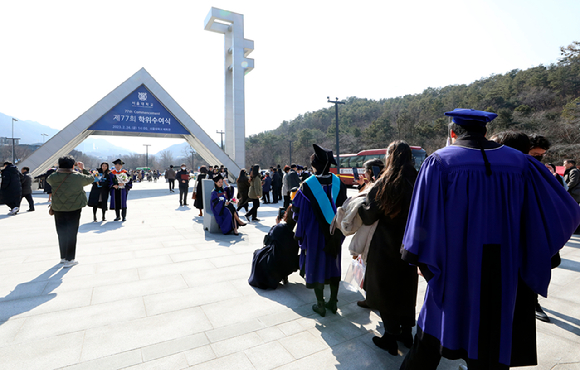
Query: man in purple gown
314,207
484,222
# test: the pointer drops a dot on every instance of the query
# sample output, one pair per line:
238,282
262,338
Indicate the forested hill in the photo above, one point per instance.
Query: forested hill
542,99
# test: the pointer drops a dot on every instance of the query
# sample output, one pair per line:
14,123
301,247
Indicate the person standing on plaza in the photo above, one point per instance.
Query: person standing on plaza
266,187
484,222
572,179
27,188
99,194
254,193
69,198
390,282
183,178
11,188
314,208
120,190
285,188
46,186
170,176
276,185
243,189
198,203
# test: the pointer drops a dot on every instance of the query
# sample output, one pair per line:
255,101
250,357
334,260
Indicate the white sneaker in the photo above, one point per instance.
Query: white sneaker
67,264
13,211
62,261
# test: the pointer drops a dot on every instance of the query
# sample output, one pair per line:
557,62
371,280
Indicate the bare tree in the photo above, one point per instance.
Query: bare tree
166,158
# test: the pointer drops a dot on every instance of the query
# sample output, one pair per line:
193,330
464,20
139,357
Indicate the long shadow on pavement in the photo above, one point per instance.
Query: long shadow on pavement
27,296
570,265
565,322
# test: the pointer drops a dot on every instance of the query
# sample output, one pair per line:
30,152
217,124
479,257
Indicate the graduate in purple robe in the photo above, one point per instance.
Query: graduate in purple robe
484,221
314,208
223,210
120,190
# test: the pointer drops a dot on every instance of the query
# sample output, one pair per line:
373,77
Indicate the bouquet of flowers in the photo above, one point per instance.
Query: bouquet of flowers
122,179
234,200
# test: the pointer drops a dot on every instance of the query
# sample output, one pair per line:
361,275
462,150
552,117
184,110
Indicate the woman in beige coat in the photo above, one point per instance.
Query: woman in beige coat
255,193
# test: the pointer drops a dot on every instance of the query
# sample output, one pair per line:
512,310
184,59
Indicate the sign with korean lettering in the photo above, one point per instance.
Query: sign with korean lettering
140,112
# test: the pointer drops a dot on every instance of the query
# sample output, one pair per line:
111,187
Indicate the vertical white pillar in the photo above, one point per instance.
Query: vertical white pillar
236,65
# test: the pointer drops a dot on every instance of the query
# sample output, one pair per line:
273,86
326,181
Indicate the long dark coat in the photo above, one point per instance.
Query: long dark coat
11,189
390,282
199,193
243,190
101,192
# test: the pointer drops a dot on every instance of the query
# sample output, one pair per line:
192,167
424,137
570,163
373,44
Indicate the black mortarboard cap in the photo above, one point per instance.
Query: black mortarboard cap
323,155
217,178
118,161
471,117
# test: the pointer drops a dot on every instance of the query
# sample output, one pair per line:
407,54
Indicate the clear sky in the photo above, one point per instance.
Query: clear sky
58,58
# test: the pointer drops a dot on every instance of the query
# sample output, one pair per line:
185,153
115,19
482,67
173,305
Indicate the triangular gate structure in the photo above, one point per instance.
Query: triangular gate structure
138,107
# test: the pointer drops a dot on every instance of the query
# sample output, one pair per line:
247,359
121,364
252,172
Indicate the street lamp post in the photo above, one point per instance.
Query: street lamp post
147,154
192,163
13,151
43,136
336,103
222,137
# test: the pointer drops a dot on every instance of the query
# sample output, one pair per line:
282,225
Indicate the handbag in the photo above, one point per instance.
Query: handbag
50,211
194,195
356,273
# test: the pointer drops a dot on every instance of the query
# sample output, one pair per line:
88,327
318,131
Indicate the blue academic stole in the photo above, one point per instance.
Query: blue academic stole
321,197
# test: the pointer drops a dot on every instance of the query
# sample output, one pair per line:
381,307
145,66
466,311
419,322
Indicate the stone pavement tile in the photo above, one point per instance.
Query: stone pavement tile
323,360
174,268
23,290
189,242
328,335
54,352
570,366
9,329
174,346
236,344
69,283
77,319
270,334
116,338
161,250
109,257
236,361
173,362
190,297
197,255
230,331
238,259
196,278
347,329
303,344
14,260
290,328
13,268
118,361
240,309
114,246
269,356
199,355
44,303
118,291
133,263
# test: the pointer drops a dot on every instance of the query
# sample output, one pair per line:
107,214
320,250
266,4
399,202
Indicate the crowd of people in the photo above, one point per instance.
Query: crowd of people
482,222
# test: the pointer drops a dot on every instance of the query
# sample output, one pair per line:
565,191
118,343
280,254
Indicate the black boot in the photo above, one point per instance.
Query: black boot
104,219
124,211
118,213
319,306
540,314
388,343
331,305
406,337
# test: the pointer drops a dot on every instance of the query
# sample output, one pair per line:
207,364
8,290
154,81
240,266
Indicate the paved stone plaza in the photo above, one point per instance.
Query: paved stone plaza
157,292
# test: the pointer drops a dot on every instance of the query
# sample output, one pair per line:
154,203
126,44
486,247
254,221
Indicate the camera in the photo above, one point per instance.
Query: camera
281,212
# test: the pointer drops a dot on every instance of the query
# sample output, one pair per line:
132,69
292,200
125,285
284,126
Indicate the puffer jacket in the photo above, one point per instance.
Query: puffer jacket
69,196
255,188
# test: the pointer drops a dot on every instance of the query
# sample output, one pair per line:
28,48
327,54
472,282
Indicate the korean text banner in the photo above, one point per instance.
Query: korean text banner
140,112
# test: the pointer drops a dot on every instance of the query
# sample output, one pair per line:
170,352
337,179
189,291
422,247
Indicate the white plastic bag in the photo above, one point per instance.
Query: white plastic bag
356,273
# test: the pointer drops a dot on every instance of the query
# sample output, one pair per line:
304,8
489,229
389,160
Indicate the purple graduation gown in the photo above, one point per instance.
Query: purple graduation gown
222,214
475,237
318,266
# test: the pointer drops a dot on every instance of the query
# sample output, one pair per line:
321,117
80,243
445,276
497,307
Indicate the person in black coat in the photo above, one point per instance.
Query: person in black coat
198,203
45,185
11,189
26,181
276,185
182,177
390,282
100,191
279,256
243,190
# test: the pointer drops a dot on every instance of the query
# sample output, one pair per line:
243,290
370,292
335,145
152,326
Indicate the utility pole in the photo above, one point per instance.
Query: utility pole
336,103
222,136
13,151
146,154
